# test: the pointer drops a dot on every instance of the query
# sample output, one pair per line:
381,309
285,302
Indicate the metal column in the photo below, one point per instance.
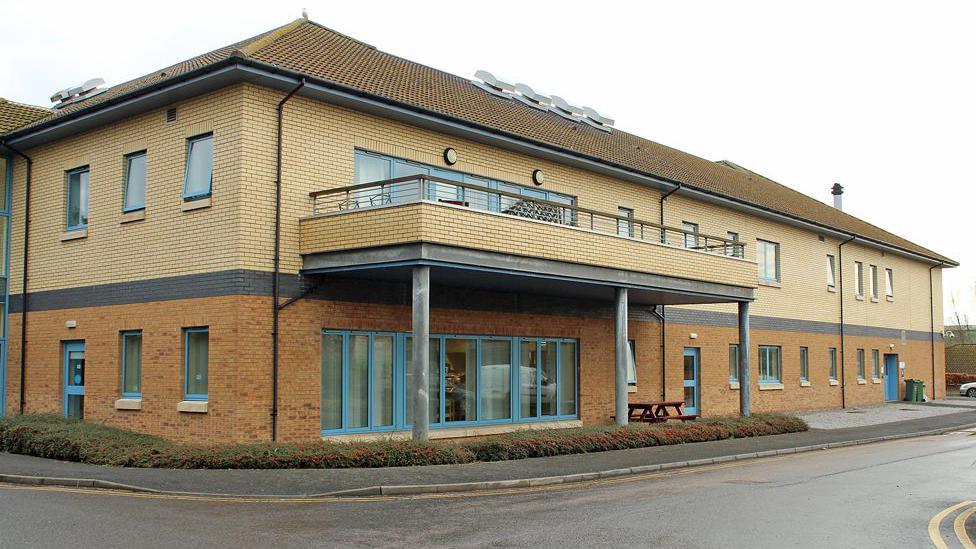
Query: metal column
620,377
420,398
745,384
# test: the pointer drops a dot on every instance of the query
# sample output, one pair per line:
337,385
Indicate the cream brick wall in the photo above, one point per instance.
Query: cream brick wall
494,232
169,241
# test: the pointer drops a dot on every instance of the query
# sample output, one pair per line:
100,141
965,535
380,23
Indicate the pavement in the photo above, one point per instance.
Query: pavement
884,413
903,493
306,482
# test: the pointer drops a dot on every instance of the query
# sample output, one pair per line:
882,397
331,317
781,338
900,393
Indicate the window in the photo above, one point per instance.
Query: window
473,380
832,362
858,279
730,249
135,182
873,281
767,257
691,234
196,342
860,364
831,271
77,203
804,364
734,363
769,364
875,364
199,167
132,364
625,228
889,283
631,363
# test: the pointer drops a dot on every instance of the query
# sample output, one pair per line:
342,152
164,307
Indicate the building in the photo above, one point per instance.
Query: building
255,243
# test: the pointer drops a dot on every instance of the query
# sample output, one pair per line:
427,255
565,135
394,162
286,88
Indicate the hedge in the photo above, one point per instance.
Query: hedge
93,443
959,379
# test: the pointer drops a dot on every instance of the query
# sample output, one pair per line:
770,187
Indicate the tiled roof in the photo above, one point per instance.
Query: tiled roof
961,358
318,52
15,115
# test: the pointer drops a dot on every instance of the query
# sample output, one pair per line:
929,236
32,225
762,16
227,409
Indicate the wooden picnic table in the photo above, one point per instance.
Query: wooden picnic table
655,412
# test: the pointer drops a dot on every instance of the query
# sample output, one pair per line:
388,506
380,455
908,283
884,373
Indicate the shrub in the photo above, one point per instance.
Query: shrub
72,440
959,379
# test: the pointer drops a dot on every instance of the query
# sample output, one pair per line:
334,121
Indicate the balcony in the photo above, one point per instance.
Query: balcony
357,225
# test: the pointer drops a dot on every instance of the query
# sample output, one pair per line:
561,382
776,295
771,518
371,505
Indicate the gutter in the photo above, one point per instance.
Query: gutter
259,67
276,290
840,273
932,325
25,298
664,198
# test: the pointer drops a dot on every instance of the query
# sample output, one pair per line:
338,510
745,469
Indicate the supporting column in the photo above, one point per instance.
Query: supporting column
419,396
745,384
620,372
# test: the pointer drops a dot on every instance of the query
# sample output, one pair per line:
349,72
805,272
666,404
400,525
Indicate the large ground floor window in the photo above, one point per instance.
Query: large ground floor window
473,380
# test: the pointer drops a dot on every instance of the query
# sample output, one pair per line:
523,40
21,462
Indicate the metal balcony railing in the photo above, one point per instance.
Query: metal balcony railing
425,188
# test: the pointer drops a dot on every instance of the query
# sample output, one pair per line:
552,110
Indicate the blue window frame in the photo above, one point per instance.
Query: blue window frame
770,364
198,177
804,364
196,358
134,195
76,204
132,364
475,380
734,363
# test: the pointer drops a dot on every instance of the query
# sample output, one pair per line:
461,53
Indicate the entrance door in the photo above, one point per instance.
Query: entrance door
691,380
891,377
74,379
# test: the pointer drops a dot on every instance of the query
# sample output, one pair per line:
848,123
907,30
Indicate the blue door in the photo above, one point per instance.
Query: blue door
691,380
891,377
74,379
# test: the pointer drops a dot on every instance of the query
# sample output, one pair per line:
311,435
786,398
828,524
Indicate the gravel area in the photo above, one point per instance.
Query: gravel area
883,413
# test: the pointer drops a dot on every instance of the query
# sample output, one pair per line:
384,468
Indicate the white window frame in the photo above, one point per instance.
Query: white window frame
625,228
889,283
766,246
873,281
858,279
831,271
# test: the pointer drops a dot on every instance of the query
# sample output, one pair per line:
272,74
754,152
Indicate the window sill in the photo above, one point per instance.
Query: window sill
832,289
74,235
770,386
458,432
136,215
862,382
193,406
128,404
631,388
770,283
874,300
195,204
889,299
734,385
834,383
859,297
875,380
805,383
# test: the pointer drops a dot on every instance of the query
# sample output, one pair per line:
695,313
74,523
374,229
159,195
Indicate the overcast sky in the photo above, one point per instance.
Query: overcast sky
876,96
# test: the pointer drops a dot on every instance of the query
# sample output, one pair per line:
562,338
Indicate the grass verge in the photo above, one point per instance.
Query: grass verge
94,443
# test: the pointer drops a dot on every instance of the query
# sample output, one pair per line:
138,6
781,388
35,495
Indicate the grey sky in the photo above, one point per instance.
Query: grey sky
875,95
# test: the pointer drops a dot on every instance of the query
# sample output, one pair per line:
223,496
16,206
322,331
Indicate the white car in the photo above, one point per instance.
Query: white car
968,390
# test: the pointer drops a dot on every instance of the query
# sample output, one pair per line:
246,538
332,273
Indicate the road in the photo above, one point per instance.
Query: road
878,495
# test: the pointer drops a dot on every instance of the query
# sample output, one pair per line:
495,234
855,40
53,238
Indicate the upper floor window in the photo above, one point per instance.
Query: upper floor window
77,203
132,364
770,365
691,234
873,281
135,182
199,167
734,363
625,227
831,271
196,348
767,258
730,249
889,283
804,364
858,279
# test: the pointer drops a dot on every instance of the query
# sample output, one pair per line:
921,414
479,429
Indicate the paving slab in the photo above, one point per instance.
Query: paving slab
300,482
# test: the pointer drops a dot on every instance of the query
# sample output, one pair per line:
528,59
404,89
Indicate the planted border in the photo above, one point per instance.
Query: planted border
97,444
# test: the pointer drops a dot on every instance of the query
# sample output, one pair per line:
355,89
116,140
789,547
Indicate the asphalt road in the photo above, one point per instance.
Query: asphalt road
879,495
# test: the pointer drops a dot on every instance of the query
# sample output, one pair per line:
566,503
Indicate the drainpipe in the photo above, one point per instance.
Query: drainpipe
23,293
276,289
664,197
932,322
663,352
840,274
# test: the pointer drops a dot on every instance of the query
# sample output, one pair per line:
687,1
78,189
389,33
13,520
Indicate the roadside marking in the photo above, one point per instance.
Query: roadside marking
936,521
353,499
959,526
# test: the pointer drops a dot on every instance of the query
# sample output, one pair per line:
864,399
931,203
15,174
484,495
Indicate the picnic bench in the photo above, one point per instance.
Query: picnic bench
657,412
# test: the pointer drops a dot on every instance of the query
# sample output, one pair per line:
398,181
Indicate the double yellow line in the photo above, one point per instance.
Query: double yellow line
958,525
